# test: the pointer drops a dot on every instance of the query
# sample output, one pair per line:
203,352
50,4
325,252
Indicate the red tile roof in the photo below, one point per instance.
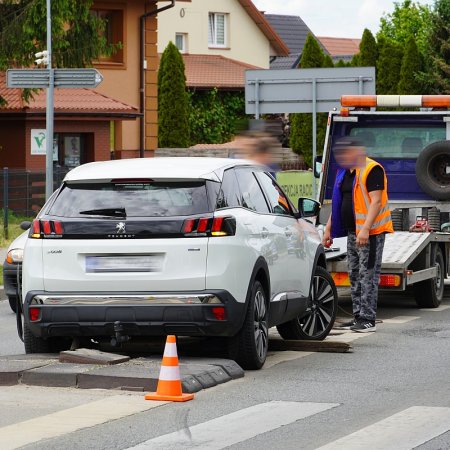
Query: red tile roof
340,46
207,71
77,101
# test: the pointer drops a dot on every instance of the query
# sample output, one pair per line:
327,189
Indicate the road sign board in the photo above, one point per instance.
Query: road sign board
64,78
303,90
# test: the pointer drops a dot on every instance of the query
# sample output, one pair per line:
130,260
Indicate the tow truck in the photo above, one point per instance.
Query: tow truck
413,146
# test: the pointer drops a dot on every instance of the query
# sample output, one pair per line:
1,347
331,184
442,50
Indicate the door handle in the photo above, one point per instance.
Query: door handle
264,233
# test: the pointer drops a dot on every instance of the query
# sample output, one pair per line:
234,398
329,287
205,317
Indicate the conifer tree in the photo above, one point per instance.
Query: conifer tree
411,66
301,124
437,76
327,61
173,106
368,50
388,66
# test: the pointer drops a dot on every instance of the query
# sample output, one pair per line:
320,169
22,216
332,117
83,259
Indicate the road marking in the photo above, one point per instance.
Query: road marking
402,431
400,319
236,427
439,308
274,358
73,419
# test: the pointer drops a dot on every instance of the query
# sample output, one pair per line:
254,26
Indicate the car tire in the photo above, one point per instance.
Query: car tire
249,347
429,293
319,319
34,344
432,170
12,303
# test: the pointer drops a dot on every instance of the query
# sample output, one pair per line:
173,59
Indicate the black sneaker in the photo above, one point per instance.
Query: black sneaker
346,325
364,326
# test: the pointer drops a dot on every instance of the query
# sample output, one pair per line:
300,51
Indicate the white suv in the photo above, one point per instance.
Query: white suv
185,246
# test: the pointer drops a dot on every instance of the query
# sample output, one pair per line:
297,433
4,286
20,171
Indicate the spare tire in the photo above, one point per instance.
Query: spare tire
433,170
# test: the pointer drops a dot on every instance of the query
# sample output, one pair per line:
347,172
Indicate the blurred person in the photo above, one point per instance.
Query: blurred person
360,211
258,146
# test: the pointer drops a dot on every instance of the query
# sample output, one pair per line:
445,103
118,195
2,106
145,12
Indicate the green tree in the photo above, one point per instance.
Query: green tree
411,66
173,105
408,19
300,139
78,36
312,55
215,116
388,66
436,78
368,52
327,61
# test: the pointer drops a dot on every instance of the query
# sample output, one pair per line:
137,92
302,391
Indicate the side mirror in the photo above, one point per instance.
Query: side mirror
318,162
308,207
25,225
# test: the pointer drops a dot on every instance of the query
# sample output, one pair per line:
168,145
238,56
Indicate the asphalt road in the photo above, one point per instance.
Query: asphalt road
395,387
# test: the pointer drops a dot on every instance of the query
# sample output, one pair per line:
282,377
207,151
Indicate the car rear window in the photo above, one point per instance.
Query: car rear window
131,199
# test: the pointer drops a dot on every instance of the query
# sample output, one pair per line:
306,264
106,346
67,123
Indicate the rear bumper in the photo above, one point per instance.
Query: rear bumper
140,314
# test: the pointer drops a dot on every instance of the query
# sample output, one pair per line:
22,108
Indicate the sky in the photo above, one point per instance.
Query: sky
334,18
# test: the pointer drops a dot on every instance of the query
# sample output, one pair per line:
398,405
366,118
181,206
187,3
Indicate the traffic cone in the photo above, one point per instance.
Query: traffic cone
169,382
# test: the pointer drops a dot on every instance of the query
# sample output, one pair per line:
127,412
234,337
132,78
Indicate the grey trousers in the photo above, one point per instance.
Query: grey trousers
364,265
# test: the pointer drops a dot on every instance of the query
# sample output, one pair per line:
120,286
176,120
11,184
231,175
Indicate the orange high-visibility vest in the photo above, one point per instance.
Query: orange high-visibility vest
361,202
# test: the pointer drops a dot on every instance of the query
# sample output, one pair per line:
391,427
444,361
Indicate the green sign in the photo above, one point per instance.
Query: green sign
296,184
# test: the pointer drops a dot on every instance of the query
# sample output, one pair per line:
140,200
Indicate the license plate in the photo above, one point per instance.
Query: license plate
127,263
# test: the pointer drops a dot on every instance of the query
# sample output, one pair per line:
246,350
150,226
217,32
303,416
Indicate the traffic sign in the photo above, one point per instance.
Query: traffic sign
64,78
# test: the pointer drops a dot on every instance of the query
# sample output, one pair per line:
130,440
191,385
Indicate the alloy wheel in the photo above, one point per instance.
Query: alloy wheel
320,311
261,328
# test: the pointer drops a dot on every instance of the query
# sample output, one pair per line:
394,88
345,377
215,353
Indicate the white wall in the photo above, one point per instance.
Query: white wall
246,42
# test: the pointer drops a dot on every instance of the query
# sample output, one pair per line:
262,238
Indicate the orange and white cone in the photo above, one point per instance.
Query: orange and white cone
169,383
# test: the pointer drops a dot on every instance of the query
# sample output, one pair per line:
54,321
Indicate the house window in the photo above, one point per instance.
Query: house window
181,42
113,32
217,33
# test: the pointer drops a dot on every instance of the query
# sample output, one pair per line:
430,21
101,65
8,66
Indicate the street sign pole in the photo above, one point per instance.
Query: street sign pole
49,117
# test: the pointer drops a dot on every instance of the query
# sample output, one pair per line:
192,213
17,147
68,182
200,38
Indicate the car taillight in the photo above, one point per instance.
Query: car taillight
216,226
46,228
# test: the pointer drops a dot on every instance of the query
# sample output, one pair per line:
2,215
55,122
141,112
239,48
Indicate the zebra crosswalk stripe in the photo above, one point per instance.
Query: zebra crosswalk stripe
402,431
236,427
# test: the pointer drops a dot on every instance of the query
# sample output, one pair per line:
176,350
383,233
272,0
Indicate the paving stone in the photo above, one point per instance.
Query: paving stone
56,375
91,356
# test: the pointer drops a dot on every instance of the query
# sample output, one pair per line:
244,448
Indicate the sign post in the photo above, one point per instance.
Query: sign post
49,115
49,79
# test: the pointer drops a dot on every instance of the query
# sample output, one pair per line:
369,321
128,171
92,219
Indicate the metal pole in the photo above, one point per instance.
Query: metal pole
50,110
5,200
257,99
314,130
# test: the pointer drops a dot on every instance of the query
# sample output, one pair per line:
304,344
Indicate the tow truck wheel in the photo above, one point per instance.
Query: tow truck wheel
433,170
429,293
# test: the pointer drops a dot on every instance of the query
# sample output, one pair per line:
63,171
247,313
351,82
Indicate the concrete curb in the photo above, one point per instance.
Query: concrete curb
139,374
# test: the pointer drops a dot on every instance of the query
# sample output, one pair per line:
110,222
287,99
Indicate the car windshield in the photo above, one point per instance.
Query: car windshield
131,199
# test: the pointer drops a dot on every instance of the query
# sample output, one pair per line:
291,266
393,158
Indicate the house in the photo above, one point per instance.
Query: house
82,127
117,119
293,31
340,48
219,40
